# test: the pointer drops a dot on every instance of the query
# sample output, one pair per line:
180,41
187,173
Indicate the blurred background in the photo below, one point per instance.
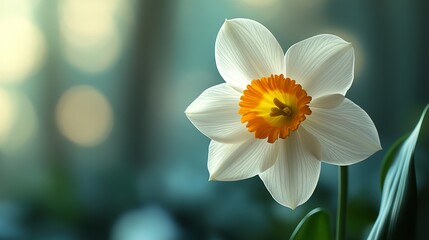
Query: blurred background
94,143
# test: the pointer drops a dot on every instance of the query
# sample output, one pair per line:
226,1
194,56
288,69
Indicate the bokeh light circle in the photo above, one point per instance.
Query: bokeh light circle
22,48
91,38
84,116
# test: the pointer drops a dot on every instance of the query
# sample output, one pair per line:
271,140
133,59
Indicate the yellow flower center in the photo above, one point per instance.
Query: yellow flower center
273,107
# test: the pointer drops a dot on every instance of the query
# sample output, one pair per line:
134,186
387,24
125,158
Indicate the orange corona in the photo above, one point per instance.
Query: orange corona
273,107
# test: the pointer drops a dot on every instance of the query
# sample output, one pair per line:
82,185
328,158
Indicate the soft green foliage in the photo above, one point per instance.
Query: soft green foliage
390,156
397,216
315,225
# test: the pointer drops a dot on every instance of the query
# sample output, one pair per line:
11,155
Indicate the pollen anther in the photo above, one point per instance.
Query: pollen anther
281,109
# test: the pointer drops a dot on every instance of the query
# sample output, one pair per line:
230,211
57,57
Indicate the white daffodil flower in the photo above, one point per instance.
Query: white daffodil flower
278,116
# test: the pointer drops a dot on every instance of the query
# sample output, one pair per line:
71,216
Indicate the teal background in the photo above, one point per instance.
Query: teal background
146,177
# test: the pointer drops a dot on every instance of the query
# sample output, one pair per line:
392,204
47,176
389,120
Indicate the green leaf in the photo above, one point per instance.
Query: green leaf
390,156
315,225
398,210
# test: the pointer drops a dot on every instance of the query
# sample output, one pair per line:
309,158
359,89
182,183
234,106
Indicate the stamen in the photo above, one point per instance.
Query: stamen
276,112
279,104
282,109
287,111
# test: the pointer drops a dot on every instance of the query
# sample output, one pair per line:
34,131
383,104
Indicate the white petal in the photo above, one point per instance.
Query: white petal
236,161
293,177
245,50
329,101
215,114
322,64
346,133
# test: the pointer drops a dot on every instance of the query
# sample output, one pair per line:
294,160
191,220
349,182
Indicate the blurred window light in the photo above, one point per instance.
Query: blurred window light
84,116
22,48
18,121
91,38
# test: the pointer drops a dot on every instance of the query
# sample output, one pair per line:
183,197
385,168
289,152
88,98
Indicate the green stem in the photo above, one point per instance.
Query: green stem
342,202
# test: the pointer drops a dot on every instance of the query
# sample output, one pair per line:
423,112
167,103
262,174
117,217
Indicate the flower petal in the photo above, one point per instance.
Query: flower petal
346,133
245,50
215,114
322,64
329,101
293,177
236,161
